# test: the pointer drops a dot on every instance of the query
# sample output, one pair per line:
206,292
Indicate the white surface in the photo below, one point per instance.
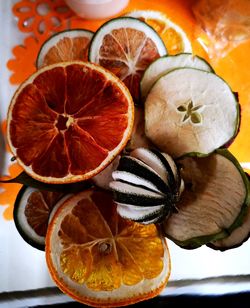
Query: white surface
205,262
96,9
7,41
24,268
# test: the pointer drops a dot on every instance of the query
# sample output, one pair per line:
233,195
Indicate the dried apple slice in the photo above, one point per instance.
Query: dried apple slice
239,235
190,110
214,201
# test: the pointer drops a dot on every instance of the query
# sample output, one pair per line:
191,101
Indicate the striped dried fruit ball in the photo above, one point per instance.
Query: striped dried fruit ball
147,186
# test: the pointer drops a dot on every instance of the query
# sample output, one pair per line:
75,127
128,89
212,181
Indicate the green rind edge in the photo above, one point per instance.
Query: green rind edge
167,56
227,247
237,105
19,228
202,240
113,20
56,34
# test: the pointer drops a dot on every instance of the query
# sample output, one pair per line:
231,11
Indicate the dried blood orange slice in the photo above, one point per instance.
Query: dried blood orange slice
101,259
126,46
68,121
68,45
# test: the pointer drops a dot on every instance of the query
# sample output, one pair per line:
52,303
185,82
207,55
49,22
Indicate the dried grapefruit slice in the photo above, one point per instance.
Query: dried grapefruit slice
172,34
101,259
68,121
126,46
68,45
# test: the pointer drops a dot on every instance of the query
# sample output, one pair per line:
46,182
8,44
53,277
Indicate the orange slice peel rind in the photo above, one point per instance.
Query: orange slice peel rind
108,266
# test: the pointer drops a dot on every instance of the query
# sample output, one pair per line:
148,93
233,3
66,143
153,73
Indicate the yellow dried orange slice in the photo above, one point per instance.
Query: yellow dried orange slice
68,121
101,259
172,34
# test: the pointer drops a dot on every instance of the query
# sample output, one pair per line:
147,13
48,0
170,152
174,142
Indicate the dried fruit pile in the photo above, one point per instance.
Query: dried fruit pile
101,204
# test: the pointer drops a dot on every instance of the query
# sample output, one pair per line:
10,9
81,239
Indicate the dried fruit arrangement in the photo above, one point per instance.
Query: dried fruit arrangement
124,144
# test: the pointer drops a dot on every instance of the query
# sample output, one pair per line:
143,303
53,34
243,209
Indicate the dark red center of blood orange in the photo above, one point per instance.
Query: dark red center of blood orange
68,120
61,122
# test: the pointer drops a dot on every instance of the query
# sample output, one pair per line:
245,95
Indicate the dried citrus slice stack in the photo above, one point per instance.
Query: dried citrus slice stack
68,45
126,46
101,259
68,121
172,34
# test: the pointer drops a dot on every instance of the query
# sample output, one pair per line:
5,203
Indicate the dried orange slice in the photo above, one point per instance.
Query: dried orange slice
68,121
172,34
126,46
101,259
67,45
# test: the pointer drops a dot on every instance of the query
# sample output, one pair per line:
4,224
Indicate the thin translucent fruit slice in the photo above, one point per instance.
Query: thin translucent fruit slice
165,64
101,259
32,210
172,34
190,110
68,121
214,202
67,45
239,235
126,46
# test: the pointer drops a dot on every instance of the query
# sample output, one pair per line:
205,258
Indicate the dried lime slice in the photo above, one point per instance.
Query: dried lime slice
32,210
126,46
67,45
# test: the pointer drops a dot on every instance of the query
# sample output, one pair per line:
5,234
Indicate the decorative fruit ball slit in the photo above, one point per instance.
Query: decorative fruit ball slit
68,121
147,186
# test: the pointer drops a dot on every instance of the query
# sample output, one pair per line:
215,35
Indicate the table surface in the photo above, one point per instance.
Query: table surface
24,268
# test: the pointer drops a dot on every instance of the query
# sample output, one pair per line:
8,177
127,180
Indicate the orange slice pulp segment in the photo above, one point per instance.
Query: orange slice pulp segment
126,46
101,259
68,45
38,208
60,52
174,38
